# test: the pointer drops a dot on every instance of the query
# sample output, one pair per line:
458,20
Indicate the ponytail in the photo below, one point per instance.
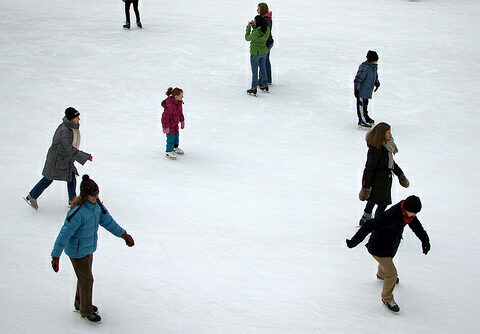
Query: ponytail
173,91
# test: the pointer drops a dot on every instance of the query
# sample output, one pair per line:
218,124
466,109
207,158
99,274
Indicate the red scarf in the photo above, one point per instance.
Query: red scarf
406,218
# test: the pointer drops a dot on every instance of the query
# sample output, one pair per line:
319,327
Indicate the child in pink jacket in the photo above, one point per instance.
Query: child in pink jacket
172,115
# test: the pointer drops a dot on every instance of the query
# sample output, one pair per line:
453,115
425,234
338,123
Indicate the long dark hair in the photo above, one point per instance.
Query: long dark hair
260,22
376,136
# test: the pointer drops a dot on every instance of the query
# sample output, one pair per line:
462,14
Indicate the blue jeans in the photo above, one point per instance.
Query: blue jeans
268,67
44,183
172,141
256,62
369,208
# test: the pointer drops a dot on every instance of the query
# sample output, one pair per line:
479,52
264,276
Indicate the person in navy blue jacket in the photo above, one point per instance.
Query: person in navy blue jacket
364,82
386,234
78,238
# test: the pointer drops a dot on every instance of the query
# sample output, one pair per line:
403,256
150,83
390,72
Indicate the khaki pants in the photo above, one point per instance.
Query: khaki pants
83,297
387,271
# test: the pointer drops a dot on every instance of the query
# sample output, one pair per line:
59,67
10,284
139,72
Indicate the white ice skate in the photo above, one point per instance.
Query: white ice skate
178,150
171,155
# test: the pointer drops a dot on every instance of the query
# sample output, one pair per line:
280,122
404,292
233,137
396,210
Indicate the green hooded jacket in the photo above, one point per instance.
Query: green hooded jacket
258,40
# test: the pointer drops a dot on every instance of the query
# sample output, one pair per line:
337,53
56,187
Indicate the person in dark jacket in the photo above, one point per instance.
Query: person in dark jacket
365,80
78,238
258,52
377,175
262,10
127,13
386,234
61,156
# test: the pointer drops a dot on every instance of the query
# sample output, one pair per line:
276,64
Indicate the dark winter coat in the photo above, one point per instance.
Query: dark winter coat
387,229
366,79
172,114
378,176
268,19
62,154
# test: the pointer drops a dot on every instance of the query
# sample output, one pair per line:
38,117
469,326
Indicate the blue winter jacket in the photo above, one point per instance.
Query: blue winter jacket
78,237
366,79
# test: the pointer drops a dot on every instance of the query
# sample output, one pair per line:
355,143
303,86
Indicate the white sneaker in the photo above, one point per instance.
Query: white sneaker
178,150
171,155
31,201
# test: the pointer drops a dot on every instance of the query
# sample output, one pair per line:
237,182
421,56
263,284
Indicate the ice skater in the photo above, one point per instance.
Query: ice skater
61,156
258,52
262,10
127,13
377,175
386,233
78,238
365,80
172,115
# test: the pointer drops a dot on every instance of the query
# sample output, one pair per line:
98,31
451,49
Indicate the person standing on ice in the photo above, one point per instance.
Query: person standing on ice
127,13
377,175
61,156
258,52
172,115
78,238
386,233
365,80
262,10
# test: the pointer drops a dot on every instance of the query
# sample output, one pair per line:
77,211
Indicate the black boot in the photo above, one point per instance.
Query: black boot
139,24
127,25
94,317
264,88
252,91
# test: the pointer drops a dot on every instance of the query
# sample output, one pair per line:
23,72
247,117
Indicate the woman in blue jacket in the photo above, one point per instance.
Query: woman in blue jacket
365,80
78,238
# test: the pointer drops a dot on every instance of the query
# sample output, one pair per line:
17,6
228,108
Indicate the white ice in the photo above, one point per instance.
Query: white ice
245,232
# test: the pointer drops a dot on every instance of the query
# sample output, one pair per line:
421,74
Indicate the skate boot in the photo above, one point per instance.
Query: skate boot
139,24
365,217
31,201
398,279
171,155
370,121
252,91
364,125
392,306
94,309
178,150
264,88
127,25
94,317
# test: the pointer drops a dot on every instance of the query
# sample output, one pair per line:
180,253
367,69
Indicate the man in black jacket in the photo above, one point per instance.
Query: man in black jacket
387,229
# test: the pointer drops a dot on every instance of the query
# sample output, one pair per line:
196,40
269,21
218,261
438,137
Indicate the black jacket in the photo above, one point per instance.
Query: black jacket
269,42
378,176
387,229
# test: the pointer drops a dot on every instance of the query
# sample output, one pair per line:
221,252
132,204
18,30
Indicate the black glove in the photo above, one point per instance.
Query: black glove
356,93
55,264
128,239
350,243
425,246
376,87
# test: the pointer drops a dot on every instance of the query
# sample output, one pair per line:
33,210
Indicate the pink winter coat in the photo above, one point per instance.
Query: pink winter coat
172,115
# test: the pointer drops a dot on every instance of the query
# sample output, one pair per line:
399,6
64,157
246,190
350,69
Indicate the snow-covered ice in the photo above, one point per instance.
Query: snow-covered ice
245,232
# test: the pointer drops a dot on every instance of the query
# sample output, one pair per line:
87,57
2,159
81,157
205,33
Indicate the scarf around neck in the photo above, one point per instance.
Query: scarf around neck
391,149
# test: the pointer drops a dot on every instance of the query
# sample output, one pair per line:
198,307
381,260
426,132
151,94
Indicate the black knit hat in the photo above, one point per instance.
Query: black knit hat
412,204
88,187
71,113
372,56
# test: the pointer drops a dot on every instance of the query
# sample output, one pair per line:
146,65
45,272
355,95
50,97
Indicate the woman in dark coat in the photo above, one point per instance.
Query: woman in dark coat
262,10
377,176
60,158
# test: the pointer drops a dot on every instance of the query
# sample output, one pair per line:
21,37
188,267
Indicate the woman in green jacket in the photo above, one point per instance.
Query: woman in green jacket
258,52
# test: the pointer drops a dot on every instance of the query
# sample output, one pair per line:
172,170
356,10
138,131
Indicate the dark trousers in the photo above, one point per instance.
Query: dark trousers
362,110
268,67
135,9
44,183
370,205
83,297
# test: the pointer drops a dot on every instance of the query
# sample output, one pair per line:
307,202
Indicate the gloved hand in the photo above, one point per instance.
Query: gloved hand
425,246
356,93
376,86
364,194
166,130
182,124
350,243
56,264
403,181
90,157
128,239
163,104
